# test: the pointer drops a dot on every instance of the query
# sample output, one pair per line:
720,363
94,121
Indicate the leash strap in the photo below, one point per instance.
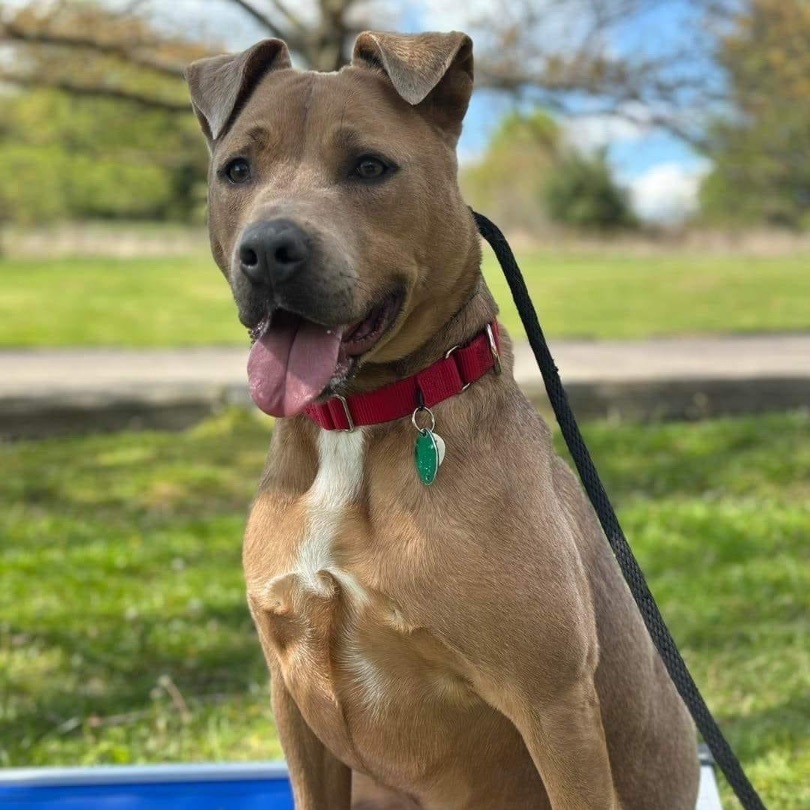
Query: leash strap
676,667
451,375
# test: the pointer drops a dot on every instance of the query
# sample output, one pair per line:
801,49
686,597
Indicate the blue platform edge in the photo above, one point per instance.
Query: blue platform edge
233,786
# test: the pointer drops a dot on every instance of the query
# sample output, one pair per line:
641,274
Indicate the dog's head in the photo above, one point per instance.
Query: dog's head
334,208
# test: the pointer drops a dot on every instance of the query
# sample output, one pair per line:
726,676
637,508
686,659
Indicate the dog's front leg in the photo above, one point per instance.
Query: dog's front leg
319,780
566,740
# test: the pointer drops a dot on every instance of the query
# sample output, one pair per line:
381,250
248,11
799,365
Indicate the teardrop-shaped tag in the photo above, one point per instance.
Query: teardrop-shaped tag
428,454
440,446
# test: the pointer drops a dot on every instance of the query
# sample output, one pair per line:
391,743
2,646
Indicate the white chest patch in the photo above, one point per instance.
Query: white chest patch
336,486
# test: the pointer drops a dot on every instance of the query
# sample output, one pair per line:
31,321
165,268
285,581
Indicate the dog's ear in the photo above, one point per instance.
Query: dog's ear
220,85
433,71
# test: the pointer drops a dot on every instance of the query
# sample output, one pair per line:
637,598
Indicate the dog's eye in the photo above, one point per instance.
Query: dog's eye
371,168
238,170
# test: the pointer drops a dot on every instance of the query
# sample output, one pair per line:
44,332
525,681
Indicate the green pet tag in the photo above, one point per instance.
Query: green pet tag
429,455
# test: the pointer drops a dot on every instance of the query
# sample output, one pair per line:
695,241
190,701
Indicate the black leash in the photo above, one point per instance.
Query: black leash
662,638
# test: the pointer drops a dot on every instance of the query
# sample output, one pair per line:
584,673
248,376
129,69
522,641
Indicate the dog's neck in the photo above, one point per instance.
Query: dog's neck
297,456
478,310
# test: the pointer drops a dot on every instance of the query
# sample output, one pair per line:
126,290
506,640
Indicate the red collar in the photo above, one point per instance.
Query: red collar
451,375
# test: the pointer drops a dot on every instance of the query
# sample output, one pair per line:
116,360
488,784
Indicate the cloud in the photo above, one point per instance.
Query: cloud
668,192
592,132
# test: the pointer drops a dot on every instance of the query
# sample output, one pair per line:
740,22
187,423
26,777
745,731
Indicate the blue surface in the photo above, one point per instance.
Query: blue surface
254,786
264,795
151,793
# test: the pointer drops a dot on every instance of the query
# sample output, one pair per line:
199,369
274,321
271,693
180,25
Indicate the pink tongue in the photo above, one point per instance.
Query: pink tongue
290,365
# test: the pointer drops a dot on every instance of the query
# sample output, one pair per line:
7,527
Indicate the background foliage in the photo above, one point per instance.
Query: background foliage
760,150
582,193
103,129
529,176
83,158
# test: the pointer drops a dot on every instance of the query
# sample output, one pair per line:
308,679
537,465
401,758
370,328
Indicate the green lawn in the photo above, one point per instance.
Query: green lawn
185,301
124,635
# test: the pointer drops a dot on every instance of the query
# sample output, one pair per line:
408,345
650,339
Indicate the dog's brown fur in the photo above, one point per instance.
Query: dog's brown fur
472,644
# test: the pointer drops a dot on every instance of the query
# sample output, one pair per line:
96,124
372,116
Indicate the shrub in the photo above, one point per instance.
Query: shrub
582,193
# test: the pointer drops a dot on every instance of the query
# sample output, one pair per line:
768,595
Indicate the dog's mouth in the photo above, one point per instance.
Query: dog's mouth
295,360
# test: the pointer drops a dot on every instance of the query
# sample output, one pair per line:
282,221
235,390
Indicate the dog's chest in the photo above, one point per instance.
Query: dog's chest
346,651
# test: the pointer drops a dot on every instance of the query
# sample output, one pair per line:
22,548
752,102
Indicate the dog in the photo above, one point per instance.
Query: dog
443,621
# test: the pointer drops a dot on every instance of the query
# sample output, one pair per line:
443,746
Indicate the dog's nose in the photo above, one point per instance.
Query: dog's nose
272,251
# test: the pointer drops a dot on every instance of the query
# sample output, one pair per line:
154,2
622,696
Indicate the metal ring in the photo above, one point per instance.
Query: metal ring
423,430
493,347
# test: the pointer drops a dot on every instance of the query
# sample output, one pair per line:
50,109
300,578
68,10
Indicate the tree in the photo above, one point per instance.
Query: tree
89,155
90,158
122,55
574,57
530,176
509,181
761,169
650,62
581,193
102,127
90,50
558,53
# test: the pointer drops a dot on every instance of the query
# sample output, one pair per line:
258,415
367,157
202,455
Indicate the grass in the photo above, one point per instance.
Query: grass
184,301
124,635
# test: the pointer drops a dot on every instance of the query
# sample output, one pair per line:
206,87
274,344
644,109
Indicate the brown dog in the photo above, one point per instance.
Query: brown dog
465,645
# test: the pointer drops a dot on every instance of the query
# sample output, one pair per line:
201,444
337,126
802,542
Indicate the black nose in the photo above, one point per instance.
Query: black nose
272,251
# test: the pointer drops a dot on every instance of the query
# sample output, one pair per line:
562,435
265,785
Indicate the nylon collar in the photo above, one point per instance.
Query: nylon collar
446,378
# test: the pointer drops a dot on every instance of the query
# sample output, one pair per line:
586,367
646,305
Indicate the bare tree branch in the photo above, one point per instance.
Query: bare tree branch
261,18
11,33
284,10
96,91
556,52
562,53
133,7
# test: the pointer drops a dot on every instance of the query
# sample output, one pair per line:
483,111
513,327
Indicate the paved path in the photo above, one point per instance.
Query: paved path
601,375
665,359
37,373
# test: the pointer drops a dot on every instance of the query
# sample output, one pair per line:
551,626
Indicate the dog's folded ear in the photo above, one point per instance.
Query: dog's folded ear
432,71
220,85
